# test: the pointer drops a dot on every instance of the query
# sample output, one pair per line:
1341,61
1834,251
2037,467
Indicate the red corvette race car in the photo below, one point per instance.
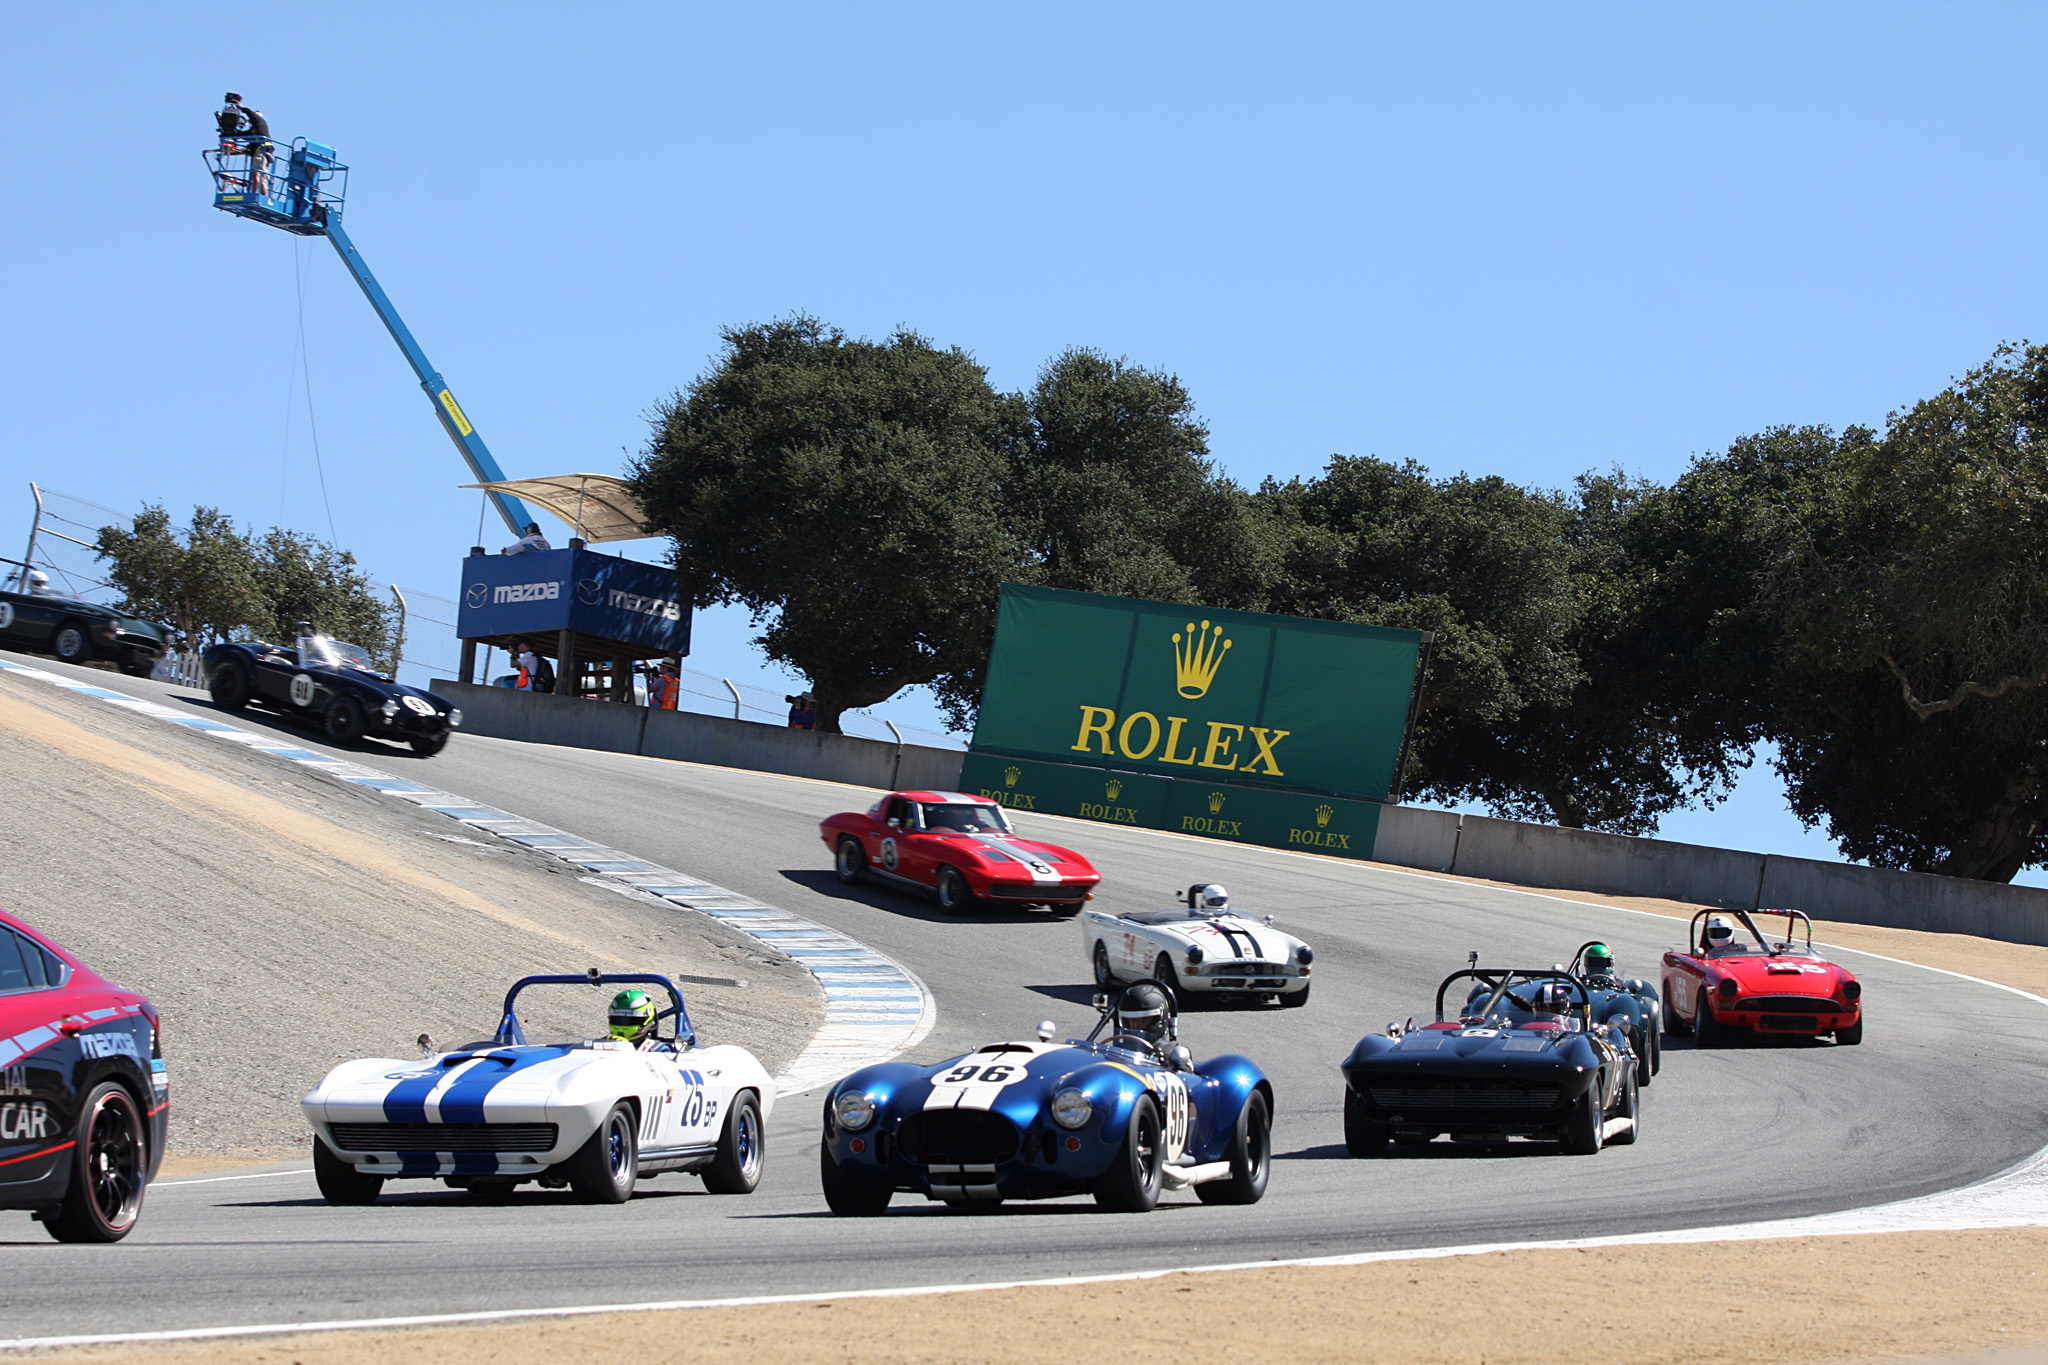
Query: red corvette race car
1719,983
961,847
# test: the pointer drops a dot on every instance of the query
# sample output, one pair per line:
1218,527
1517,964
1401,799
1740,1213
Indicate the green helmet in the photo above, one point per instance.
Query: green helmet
632,1015
1599,961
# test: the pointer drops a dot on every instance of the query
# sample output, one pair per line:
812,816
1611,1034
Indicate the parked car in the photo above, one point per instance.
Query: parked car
331,683
1718,985
79,632
961,848
1522,1058
1199,947
83,1094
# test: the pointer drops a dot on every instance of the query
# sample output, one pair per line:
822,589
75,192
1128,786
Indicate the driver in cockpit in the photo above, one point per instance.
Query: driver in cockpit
1144,1021
632,1017
1598,968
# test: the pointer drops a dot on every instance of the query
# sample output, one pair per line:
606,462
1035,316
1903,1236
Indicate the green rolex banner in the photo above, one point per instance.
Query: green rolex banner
1274,730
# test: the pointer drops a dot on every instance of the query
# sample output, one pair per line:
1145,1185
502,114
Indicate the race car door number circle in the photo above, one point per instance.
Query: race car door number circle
302,689
889,854
1174,1092
6,615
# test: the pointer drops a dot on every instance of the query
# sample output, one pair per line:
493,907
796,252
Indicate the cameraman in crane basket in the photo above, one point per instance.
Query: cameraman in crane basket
246,131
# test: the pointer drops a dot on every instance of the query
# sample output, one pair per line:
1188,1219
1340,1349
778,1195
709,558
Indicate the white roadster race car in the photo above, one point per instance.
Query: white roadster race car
596,1116
1199,947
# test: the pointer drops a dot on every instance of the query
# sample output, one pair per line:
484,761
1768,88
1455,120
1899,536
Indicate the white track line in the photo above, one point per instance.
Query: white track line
859,1030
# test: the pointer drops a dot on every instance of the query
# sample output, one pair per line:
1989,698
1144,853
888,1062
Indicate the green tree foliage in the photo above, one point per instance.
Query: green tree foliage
214,582
849,494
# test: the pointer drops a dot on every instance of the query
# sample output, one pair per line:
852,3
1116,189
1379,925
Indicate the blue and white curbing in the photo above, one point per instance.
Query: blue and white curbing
875,1007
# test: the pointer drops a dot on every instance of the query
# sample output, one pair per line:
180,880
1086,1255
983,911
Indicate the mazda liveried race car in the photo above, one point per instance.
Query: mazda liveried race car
331,683
1199,946
1523,1059
1630,1005
1772,984
596,1116
83,1097
1120,1118
962,848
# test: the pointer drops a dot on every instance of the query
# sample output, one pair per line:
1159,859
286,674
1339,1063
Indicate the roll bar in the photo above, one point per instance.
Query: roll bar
1498,979
511,1034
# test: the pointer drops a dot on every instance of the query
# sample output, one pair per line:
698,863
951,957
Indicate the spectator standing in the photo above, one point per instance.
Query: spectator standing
665,689
803,712
533,542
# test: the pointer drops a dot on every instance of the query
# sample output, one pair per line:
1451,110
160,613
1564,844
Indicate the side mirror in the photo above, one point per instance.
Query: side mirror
1101,1001
1182,1058
1393,1029
893,823
1046,1031
1269,919
426,1045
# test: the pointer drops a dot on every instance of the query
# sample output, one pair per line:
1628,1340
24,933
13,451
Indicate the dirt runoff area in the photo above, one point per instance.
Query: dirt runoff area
1796,1301
284,922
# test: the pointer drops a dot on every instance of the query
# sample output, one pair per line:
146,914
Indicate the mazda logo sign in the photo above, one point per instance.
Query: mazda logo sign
478,594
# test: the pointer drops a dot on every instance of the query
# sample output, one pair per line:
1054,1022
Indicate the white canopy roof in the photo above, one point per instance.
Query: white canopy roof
598,506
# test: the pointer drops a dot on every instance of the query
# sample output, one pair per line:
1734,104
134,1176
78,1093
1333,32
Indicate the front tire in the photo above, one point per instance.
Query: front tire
1582,1129
426,746
229,686
1631,1108
847,1196
1164,974
951,889
1294,1000
1064,909
109,1167
1852,1035
1131,1184
70,643
607,1166
1363,1135
849,861
138,668
340,1182
342,722
1251,1157
742,1149
1707,1031
1105,978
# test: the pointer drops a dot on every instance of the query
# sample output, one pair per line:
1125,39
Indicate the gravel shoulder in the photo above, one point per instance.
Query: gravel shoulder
284,922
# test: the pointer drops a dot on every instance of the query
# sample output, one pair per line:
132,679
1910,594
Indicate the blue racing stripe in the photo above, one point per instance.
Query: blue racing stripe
463,1102
419,1163
406,1102
476,1163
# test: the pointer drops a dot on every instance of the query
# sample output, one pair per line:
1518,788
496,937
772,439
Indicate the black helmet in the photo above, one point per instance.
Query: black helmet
1553,997
1145,1010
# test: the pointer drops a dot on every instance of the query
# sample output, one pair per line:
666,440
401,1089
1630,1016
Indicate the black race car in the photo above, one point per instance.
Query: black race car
330,682
1524,1058
78,632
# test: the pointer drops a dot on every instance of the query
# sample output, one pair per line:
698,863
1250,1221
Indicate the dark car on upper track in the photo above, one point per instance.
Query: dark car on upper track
1524,1058
78,632
1121,1118
332,684
83,1096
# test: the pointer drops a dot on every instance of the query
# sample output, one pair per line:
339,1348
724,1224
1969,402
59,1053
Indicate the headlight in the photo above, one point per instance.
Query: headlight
389,708
1852,991
1071,1109
454,716
855,1110
1304,955
1195,956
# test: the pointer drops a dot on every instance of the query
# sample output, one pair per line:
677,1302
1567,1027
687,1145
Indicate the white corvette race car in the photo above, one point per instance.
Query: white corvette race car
595,1116
1200,948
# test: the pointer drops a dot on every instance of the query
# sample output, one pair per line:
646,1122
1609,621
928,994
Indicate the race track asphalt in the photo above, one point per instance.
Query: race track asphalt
1948,1088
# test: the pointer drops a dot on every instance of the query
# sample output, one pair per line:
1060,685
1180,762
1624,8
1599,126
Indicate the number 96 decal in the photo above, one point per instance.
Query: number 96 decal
982,1073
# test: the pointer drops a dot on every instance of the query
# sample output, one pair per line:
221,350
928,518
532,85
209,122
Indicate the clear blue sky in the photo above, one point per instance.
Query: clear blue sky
1526,240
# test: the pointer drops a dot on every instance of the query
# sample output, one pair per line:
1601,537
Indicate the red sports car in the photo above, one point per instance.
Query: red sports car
1770,985
82,1093
960,847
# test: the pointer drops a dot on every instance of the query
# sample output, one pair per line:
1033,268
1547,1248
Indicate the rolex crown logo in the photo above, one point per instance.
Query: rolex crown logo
1114,788
1197,657
1010,776
1323,814
1215,803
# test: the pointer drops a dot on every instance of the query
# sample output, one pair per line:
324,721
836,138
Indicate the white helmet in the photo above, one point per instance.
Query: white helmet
1209,897
38,577
1720,933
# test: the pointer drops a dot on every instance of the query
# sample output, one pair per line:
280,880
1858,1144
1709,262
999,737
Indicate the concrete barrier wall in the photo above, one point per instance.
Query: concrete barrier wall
537,718
1617,865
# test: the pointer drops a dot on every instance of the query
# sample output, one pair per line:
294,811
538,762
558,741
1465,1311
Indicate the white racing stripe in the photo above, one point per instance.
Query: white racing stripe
875,1007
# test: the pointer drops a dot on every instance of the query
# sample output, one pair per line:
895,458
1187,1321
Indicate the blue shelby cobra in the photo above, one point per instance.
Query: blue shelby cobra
1118,1118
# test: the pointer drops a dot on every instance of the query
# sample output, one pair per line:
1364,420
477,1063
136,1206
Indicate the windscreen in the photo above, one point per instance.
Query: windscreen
966,818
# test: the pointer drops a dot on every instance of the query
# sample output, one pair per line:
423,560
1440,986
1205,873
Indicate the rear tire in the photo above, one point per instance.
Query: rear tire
109,1168
951,888
70,642
1363,1136
1105,979
742,1149
847,1196
1852,1035
229,687
849,861
1707,1031
340,1182
428,745
1582,1128
606,1167
1251,1157
1131,1184
1645,1051
342,722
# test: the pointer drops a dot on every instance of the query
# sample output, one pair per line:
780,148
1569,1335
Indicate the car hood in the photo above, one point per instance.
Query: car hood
1025,851
1233,936
1781,975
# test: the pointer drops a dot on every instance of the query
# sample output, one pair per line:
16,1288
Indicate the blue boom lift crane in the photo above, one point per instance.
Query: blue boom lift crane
304,196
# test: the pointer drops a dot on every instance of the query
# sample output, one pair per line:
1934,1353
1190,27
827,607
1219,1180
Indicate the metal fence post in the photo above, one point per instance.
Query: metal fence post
735,697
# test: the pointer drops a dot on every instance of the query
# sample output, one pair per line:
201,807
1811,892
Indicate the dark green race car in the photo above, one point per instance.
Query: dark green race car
78,632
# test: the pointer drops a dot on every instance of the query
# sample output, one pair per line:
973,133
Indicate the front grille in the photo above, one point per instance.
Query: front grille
1463,1096
957,1137
1790,1004
445,1137
1042,891
1803,1022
